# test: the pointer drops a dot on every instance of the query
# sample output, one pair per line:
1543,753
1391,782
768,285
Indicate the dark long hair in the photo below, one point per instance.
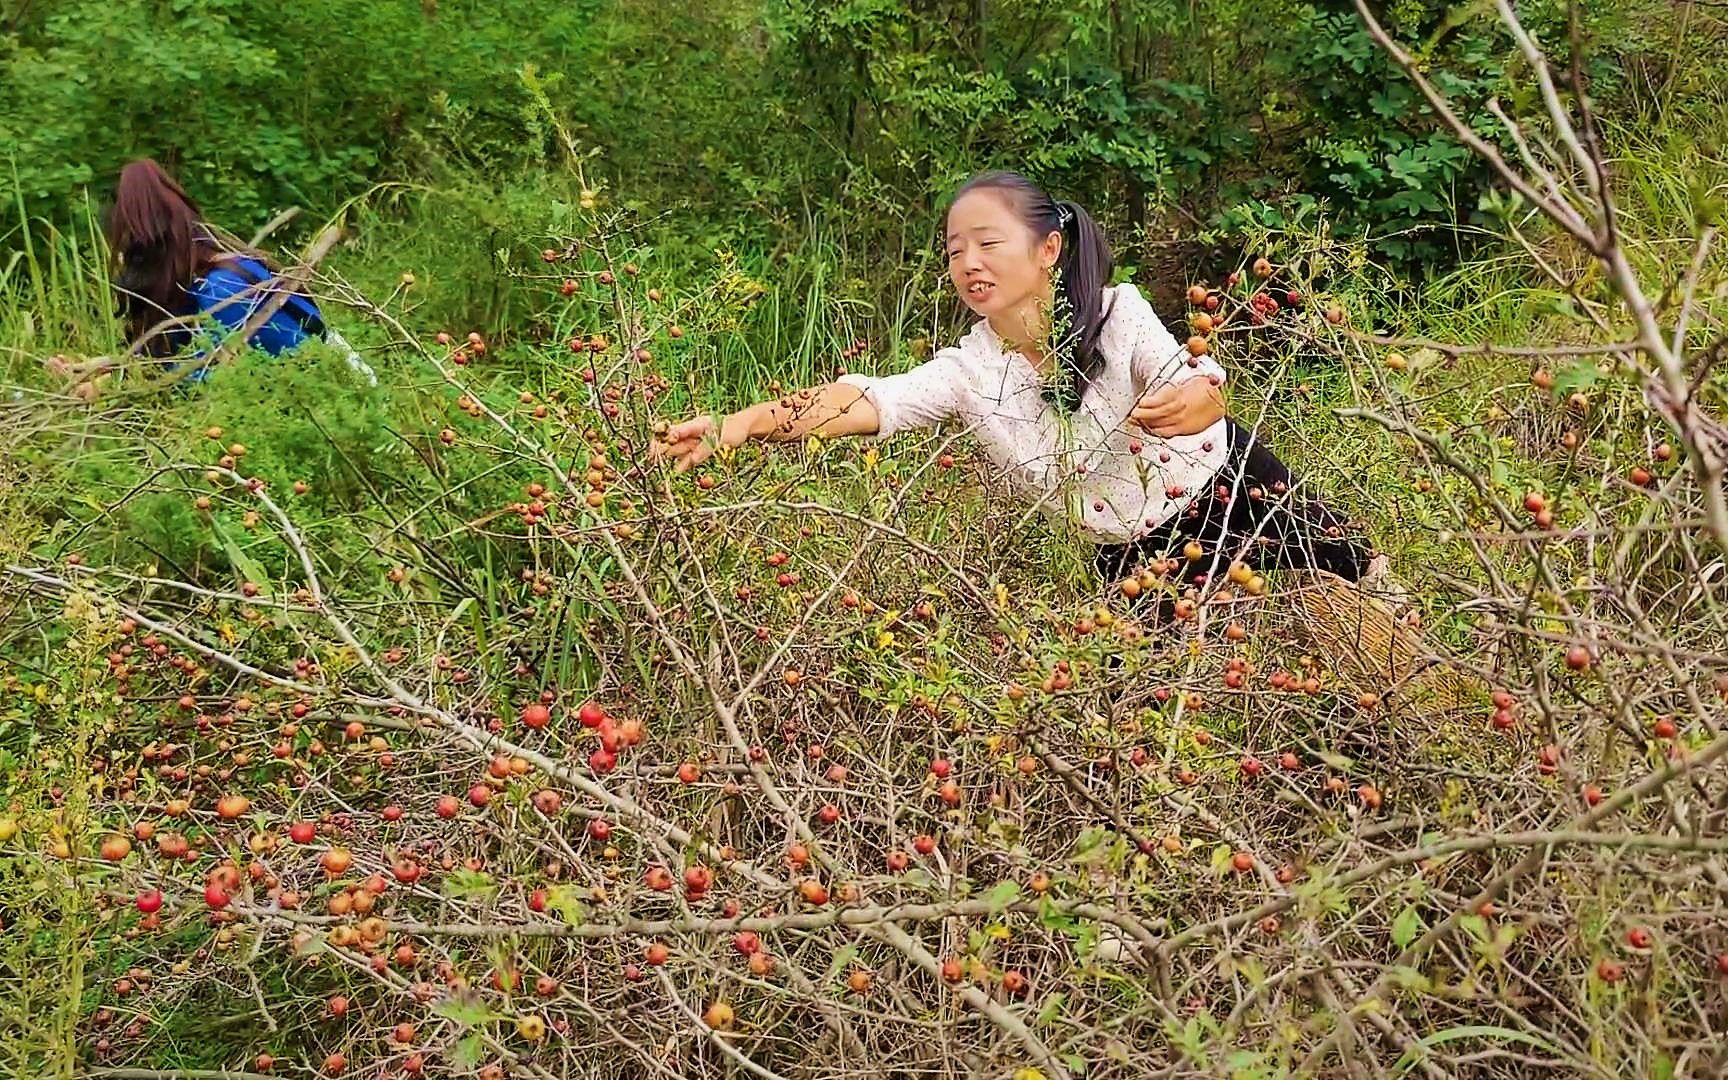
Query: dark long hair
160,245
1083,270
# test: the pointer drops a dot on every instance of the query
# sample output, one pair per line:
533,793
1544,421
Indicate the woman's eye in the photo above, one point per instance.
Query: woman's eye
987,243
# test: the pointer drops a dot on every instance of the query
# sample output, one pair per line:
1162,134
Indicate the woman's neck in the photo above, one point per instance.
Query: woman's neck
1022,330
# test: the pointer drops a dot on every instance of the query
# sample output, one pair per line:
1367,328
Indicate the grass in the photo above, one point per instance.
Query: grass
54,292
471,248
382,494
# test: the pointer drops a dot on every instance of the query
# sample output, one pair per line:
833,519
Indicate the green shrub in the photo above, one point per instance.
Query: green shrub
302,417
255,110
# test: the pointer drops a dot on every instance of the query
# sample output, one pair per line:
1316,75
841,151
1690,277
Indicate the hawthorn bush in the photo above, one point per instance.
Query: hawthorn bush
823,760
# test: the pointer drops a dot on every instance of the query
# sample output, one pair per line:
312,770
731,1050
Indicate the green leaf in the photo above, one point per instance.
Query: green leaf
1470,1031
1001,895
463,882
465,1011
842,956
1053,1009
248,568
1087,844
563,900
1578,375
1505,934
467,1053
1239,1060
1407,927
1086,938
1251,970
1336,761
1221,858
1053,918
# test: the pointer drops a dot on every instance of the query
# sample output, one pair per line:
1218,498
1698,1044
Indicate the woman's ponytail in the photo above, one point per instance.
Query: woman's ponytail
1083,270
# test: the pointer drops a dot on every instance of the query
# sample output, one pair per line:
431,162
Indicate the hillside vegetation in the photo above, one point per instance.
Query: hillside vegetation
432,728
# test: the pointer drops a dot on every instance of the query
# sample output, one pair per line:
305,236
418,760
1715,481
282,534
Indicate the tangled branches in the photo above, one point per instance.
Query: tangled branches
799,767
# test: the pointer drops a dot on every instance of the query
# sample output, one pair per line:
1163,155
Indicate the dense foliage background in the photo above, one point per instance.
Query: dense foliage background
1180,120
300,768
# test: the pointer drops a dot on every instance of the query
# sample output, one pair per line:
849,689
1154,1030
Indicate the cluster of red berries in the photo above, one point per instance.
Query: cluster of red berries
474,347
535,509
1262,306
615,736
1504,707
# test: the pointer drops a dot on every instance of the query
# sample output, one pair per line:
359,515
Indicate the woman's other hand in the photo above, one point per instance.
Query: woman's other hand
84,380
1185,408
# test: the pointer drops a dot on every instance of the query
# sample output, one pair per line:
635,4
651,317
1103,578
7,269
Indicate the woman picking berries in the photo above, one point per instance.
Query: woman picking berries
1079,393
178,284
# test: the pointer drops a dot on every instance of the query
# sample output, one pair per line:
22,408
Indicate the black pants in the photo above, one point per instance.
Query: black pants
1249,515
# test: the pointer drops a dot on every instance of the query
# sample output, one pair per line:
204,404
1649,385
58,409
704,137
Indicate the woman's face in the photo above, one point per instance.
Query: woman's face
998,265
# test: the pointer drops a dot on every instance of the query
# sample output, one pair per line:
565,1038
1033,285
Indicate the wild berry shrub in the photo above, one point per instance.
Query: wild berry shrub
818,760
522,755
350,457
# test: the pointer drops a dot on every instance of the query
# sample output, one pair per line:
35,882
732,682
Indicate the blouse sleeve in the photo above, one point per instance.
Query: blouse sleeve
1158,356
208,294
923,397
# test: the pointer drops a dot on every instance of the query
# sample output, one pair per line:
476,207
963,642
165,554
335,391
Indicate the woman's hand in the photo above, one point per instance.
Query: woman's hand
694,441
62,368
1184,408
688,444
832,411
85,379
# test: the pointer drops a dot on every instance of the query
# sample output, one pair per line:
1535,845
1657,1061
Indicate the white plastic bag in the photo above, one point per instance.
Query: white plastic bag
338,341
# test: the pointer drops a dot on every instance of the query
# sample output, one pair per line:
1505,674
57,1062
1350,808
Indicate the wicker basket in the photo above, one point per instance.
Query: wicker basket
1369,649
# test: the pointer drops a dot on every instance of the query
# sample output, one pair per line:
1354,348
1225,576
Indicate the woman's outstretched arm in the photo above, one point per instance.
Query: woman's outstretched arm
830,410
